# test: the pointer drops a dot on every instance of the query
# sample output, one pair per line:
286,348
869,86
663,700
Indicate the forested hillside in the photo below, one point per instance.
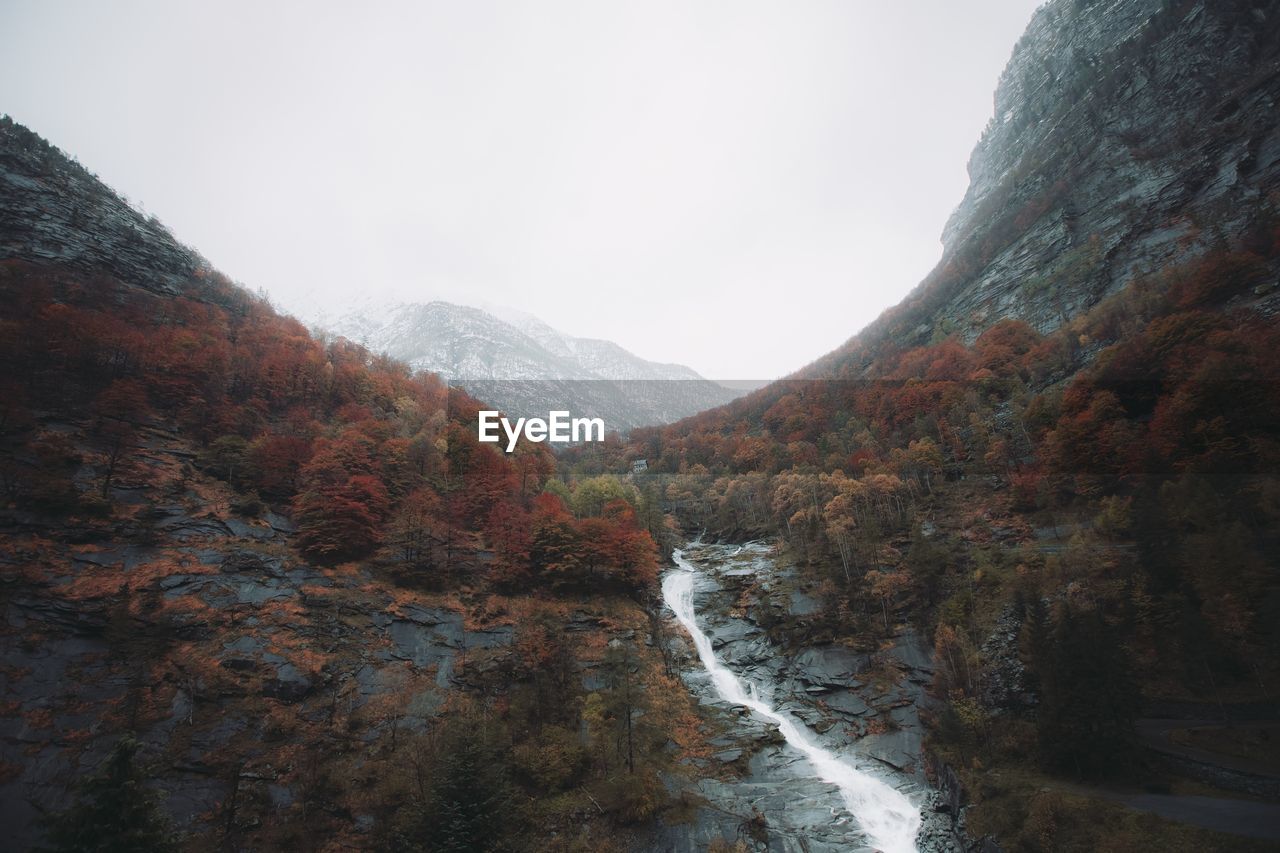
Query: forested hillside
1058,457
281,586
990,576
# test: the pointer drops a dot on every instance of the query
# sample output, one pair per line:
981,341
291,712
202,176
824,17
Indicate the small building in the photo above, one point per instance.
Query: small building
639,466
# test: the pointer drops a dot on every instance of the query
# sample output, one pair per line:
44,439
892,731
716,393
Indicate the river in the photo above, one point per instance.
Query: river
887,817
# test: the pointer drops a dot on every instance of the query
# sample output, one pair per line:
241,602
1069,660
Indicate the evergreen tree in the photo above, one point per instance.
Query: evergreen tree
114,812
1085,720
471,794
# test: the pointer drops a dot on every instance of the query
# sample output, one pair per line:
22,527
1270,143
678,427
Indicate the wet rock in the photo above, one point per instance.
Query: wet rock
109,557
244,562
828,666
848,703
83,617
259,592
581,622
802,604
289,684
731,631
239,664
247,644
280,524
937,828
244,530
184,528
489,638
901,749
749,654
742,572
910,650
206,556
179,585
426,615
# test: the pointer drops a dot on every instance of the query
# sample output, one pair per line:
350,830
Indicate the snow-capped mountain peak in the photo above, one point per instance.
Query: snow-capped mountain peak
487,353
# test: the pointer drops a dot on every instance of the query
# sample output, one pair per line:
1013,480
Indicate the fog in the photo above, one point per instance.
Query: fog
737,186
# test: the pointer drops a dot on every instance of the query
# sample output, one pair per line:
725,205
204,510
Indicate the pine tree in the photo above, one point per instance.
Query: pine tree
114,812
1088,700
470,795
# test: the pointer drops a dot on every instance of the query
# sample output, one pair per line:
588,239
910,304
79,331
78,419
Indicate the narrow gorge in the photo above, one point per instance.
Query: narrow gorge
823,743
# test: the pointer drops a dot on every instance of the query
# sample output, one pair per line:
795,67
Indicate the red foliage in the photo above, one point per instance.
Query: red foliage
360,449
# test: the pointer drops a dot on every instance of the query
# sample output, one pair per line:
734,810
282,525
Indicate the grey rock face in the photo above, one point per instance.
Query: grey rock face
1128,136
861,706
54,210
1008,684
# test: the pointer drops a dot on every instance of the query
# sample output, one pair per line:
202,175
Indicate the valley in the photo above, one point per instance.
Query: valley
783,694
997,574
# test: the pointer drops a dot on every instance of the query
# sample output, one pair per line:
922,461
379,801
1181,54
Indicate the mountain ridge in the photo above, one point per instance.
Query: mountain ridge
1127,135
383,328
326,609
525,366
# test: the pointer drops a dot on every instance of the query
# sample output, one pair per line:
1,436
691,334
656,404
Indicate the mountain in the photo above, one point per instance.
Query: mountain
57,212
1011,550
255,584
525,366
1057,459
1128,136
602,358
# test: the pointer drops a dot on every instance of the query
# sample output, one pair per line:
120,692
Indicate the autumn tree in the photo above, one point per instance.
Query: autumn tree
117,408
508,533
887,586
554,548
341,507
415,526
614,552
478,478
274,461
546,660
225,458
591,495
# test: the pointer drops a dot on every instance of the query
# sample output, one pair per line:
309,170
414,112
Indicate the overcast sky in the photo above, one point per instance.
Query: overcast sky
737,186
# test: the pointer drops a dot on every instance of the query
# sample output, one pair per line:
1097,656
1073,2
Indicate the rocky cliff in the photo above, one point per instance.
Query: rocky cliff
1128,136
53,210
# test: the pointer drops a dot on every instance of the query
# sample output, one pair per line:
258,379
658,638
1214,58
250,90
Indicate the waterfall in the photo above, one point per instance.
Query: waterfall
885,814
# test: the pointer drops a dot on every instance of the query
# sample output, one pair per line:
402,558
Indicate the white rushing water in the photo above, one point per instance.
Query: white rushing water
884,813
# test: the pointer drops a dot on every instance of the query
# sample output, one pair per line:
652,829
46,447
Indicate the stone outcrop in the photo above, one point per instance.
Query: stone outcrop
1128,136
864,704
1007,682
53,210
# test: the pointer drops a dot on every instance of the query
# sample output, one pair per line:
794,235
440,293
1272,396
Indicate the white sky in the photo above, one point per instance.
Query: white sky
738,186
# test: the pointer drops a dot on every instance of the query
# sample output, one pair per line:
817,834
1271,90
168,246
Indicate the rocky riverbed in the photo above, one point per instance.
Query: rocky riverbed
861,706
